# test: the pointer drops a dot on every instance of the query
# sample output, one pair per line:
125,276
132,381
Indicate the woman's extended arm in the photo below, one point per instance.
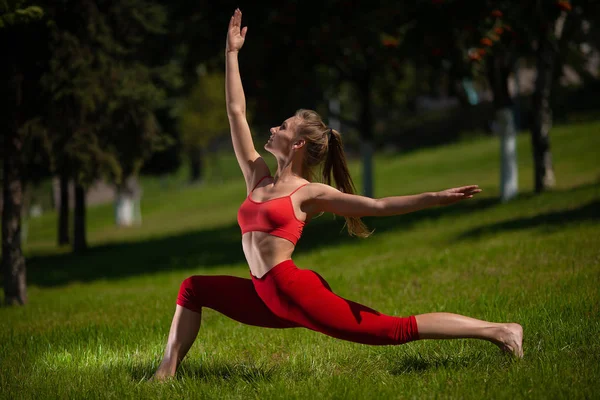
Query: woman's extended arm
251,163
234,91
329,199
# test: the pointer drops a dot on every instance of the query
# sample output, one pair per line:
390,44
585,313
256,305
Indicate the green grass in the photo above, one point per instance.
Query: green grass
96,324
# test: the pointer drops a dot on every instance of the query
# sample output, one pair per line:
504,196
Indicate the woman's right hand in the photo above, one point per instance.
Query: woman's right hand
235,36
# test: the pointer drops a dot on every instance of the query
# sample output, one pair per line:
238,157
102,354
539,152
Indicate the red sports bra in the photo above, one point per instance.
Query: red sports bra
275,216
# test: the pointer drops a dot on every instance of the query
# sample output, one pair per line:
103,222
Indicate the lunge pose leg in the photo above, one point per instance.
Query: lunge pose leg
232,296
288,297
304,297
507,336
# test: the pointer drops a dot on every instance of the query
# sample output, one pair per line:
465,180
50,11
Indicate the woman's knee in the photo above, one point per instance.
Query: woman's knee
189,293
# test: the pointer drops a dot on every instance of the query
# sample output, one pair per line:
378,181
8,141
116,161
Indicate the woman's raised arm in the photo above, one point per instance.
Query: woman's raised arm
251,163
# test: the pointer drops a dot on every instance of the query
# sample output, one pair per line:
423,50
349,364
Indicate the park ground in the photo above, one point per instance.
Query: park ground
96,323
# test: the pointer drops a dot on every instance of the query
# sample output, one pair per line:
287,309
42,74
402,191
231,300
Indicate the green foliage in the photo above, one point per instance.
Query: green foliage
203,115
105,88
74,83
322,54
130,128
466,36
23,62
35,154
12,14
89,160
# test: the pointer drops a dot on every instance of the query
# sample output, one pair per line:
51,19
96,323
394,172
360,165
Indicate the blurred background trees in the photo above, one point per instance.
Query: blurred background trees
202,118
105,90
21,71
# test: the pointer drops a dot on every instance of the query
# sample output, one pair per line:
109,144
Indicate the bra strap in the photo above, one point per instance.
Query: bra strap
298,188
258,183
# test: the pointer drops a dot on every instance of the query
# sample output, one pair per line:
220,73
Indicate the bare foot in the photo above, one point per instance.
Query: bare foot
160,377
164,372
510,339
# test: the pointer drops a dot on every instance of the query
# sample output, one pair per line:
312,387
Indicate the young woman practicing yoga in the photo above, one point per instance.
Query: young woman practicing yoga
271,218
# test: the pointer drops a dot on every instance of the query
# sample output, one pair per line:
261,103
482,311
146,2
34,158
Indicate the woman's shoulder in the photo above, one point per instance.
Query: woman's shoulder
316,189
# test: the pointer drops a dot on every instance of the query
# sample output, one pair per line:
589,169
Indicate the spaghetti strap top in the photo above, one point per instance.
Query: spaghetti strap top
275,216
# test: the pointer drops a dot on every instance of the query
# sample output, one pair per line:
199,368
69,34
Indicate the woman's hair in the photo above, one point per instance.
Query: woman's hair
321,149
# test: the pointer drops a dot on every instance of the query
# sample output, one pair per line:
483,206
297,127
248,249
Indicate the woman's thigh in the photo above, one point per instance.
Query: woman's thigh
313,305
231,296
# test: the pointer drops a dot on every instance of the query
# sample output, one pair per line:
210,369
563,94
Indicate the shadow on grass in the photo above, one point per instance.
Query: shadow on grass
415,364
263,373
206,248
211,371
222,245
550,221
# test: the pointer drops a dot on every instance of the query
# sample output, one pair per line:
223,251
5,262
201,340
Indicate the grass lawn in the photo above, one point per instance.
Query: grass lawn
96,323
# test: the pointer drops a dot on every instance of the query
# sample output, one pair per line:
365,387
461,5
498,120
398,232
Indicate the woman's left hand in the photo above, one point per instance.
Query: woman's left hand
454,195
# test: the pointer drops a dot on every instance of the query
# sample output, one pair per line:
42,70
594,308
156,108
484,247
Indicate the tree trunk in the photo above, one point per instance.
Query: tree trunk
13,262
499,69
366,131
196,169
63,208
79,239
542,115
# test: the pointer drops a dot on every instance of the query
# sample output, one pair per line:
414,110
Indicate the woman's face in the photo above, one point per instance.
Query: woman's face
283,137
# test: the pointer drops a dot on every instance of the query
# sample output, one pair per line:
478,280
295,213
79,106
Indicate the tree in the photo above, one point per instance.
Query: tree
459,38
138,89
104,93
541,30
322,53
500,52
202,118
545,29
549,23
80,76
77,70
19,71
133,134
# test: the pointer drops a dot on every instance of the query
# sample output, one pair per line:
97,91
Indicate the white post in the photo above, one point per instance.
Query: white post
509,184
127,203
124,208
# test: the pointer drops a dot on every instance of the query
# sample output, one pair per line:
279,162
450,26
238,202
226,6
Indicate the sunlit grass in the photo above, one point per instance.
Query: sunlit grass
96,323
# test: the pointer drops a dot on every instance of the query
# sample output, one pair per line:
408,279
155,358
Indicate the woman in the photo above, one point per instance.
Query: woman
279,295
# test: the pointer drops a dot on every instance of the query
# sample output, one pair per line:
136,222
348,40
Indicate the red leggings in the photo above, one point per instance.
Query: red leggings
288,297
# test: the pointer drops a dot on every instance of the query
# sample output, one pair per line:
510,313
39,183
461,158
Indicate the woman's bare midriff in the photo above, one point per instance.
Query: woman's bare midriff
264,251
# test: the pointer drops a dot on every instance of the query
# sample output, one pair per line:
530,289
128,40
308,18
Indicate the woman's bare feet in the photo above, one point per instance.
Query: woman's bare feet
510,339
165,371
